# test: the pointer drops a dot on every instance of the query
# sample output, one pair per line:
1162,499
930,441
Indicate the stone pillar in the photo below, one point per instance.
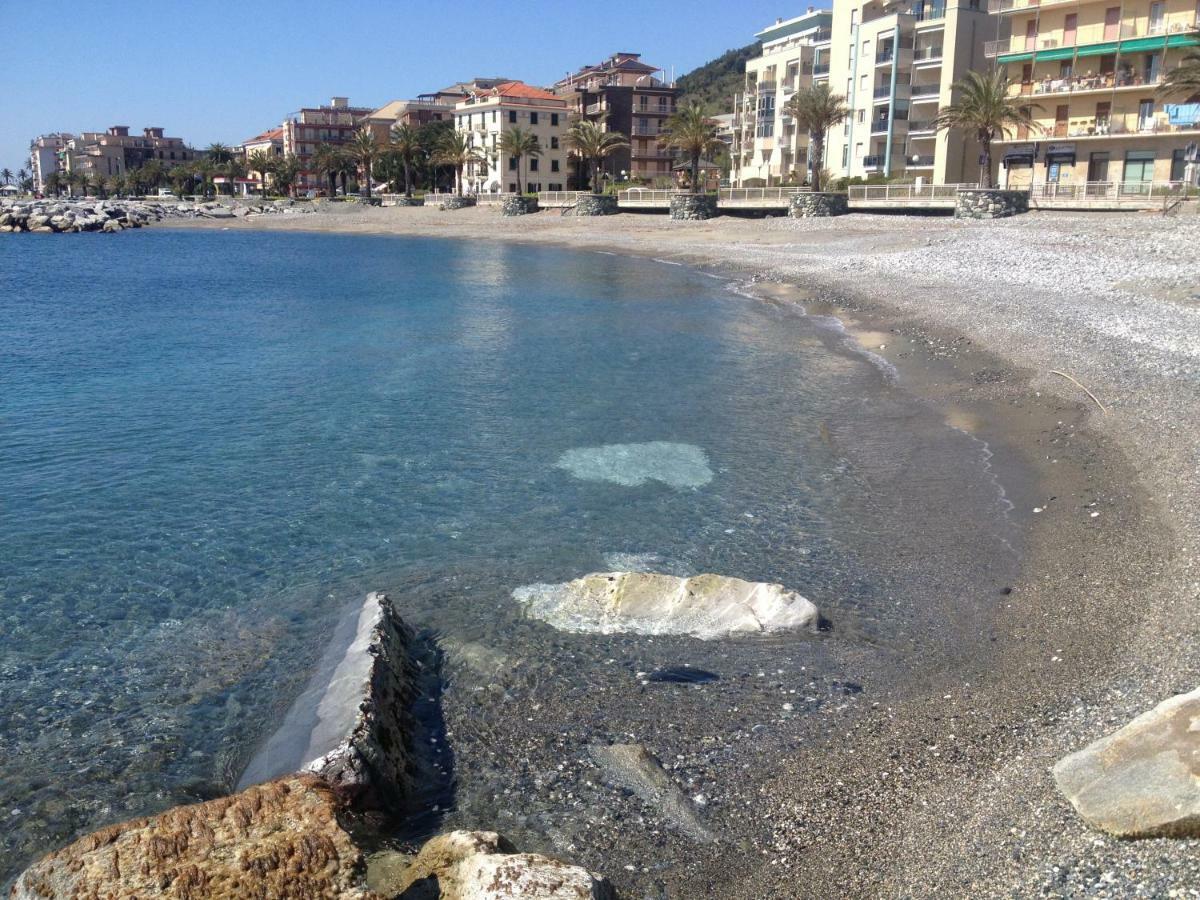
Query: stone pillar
990,203
518,206
456,202
693,206
597,205
817,204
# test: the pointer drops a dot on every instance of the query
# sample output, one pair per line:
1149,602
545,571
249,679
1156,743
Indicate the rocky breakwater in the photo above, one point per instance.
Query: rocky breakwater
108,216
703,606
303,833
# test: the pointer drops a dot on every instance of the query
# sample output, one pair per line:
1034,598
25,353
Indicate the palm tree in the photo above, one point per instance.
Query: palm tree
691,130
84,182
53,183
284,172
406,144
986,110
816,109
6,176
456,151
22,177
1184,80
593,144
328,159
518,143
363,150
261,161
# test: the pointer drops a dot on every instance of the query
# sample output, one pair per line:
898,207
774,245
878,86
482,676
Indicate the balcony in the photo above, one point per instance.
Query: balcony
873,162
926,55
879,126
922,161
932,12
654,111
653,130
822,35
1084,84
1056,44
919,126
926,91
883,90
594,109
885,56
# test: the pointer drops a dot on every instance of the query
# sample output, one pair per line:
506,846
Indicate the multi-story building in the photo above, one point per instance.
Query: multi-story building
1089,69
625,95
307,129
486,114
767,149
44,158
269,142
425,109
116,151
896,62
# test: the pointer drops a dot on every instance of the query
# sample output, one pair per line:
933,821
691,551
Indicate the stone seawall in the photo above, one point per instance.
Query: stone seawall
818,204
984,203
109,216
694,207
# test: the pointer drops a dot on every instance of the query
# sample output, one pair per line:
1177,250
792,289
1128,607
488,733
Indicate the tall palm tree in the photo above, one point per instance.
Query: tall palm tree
692,131
1184,80
261,161
985,110
328,160
455,150
6,176
22,177
593,144
363,150
284,172
53,183
85,183
406,144
816,109
519,143
234,170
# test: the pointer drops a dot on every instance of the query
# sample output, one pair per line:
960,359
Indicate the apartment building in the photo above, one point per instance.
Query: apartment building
44,153
308,128
766,148
415,113
269,142
116,151
1090,69
896,62
625,95
486,114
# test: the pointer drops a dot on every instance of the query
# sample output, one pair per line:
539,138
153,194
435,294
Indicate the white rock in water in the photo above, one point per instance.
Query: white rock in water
632,465
703,606
1144,780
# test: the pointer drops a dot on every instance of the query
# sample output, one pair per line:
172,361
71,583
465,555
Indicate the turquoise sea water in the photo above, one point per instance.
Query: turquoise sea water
210,442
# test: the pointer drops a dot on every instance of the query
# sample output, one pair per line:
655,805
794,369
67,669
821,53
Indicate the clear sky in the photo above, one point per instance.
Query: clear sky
229,70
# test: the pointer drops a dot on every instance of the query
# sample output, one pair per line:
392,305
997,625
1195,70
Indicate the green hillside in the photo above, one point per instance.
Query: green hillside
715,82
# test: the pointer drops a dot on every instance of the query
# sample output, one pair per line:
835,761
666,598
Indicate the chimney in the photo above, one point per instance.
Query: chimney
119,130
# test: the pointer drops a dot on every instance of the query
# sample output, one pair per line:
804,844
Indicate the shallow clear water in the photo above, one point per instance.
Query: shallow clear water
210,442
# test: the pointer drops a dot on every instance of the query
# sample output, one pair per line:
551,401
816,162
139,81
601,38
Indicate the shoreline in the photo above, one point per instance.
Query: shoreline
975,812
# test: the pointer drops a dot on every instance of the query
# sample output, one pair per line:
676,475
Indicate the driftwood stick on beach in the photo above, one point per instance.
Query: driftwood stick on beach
1075,382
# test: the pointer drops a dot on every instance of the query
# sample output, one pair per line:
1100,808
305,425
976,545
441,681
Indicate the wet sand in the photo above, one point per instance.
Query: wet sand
939,785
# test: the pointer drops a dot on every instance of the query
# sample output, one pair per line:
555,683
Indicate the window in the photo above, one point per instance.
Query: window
533,118
554,119
1178,164
512,117
512,188
862,116
553,165
845,155
512,164
553,143
494,114
1139,166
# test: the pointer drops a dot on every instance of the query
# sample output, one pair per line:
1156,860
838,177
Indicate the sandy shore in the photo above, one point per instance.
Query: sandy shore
943,788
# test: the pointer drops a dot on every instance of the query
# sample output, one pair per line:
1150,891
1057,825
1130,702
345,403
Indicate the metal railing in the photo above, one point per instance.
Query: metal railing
925,90
758,194
921,161
645,197
884,56
1111,190
560,198
926,54
918,125
873,162
883,90
652,130
906,192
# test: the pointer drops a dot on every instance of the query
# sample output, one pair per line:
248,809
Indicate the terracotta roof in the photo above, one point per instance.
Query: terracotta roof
523,91
273,134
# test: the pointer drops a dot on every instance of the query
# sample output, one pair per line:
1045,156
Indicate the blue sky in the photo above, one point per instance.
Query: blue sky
226,71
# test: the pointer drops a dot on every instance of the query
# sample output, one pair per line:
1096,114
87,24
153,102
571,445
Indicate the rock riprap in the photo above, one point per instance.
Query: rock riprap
279,839
703,606
108,216
1143,780
482,865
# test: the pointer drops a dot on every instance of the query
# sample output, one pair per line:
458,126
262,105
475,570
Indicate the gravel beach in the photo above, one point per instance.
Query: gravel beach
940,786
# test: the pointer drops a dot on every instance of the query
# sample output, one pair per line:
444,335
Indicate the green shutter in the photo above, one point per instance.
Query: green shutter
1098,49
1059,53
1014,57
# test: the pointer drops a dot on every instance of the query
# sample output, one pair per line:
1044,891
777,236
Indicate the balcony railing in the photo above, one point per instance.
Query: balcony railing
653,130
930,12
926,54
906,191
822,35
916,126
873,162
1084,83
883,90
922,161
884,56
926,90
1111,190
594,109
879,126
1099,33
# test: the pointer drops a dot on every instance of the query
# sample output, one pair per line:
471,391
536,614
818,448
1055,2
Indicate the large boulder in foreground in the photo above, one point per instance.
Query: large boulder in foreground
482,865
353,723
1144,780
279,839
703,606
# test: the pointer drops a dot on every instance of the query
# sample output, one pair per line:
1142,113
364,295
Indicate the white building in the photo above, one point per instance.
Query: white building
44,157
487,114
767,149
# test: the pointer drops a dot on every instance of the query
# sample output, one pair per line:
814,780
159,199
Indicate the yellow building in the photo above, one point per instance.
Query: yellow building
1090,69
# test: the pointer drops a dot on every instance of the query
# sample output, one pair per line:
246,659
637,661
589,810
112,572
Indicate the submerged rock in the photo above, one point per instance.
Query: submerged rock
482,865
636,769
1143,780
703,606
353,723
632,465
279,839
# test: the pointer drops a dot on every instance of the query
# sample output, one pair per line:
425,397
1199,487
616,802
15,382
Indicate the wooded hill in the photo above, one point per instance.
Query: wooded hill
715,82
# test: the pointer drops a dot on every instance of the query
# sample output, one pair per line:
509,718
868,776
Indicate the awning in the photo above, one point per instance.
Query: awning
1183,40
1098,49
1058,53
1147,43
1016,158
1014,57
1061,157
